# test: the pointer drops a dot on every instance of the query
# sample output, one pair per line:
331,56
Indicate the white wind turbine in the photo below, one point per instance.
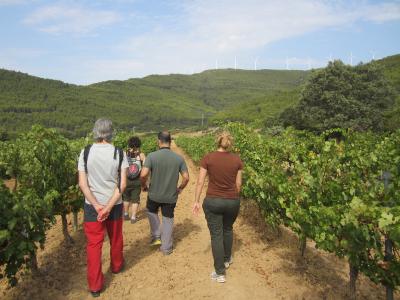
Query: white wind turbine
309,63
351,58
287,63
255,64
235,63
216,64
330,58
373,54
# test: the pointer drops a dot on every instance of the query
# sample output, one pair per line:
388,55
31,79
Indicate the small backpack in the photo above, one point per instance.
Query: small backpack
121,157
135,166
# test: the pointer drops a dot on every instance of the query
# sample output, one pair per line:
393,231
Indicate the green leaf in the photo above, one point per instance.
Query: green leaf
12,223
4,234
385,220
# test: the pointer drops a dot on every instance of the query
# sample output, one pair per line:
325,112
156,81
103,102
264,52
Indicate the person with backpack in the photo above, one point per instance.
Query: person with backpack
221,205
131,195
102,179
164,166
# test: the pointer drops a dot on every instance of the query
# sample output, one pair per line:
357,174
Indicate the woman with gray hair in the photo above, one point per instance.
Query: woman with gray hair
102,130
102,179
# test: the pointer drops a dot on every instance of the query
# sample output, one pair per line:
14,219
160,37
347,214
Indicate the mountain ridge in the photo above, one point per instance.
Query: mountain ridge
154,101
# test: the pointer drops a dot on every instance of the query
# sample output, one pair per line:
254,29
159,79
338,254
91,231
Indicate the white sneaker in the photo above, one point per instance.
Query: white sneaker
228,263
217,278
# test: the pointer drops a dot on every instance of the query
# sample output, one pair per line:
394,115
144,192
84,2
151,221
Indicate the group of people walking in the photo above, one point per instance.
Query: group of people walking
112,180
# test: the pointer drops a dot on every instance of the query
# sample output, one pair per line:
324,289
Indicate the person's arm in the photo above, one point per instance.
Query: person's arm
114,198
83,184
143,178
185,180
239,181
142,157
199,186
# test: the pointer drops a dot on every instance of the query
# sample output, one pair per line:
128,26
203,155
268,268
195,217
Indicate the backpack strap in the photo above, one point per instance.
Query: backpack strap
121,158
85,156
116,150
140,159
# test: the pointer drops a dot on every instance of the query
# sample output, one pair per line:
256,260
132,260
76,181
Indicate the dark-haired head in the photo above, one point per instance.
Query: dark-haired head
164,137
134,142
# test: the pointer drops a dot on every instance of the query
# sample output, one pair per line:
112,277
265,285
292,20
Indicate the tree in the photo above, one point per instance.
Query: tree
343,96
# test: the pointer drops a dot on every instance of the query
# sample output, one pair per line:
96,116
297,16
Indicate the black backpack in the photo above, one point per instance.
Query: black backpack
116,149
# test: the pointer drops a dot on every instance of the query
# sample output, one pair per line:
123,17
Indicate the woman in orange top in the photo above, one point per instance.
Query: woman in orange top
221,205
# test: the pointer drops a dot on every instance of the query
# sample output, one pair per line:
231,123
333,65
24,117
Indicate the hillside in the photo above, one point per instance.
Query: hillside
157,101
391,65
272,104
148,103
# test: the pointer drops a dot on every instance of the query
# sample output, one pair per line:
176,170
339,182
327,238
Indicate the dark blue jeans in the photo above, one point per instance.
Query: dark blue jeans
220,215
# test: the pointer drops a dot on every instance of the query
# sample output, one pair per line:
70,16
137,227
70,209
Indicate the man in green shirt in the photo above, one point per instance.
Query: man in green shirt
164,167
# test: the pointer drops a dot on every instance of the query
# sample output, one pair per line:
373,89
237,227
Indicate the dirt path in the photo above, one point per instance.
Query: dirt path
265,266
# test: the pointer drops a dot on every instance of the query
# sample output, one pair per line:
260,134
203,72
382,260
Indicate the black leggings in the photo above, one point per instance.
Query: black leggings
167,209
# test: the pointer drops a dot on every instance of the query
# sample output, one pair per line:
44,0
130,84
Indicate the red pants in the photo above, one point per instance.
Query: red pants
95,236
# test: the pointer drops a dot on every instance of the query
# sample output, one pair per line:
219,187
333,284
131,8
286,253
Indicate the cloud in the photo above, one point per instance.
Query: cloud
28,53
22,59
12,2
380,13
62,18
192,35
231,26
213,29
106,69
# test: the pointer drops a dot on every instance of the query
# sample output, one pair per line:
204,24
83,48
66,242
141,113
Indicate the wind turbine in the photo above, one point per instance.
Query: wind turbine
309,63
216,64
373,54
351,58
255,64
330,58
287,63
235,63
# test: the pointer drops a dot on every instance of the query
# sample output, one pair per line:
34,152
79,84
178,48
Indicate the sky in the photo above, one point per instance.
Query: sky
84,42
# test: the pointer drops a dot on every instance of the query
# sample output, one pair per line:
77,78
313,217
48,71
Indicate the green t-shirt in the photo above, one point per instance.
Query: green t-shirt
165,167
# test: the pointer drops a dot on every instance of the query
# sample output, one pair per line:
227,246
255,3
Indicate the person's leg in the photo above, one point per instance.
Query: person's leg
134,210
167,210
126,210
135,196
114,230
154,220
215,222
231,211
127,198
94,232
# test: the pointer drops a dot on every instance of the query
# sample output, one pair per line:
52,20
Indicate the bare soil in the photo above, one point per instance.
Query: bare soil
267,264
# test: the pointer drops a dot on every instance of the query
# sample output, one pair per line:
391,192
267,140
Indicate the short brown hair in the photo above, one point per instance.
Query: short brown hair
164,137
224,140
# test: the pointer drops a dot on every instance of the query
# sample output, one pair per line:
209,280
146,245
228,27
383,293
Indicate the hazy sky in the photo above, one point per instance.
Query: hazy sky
89,41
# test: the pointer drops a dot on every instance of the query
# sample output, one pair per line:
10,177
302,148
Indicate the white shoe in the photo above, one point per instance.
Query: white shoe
217,278
228,263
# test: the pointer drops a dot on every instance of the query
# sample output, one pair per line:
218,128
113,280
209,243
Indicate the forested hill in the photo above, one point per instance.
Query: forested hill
391,65
153,102
148,103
